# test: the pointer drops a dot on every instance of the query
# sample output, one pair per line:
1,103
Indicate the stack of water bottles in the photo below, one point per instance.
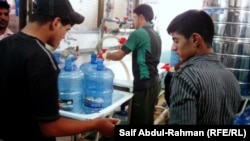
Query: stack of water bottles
87,89
243,118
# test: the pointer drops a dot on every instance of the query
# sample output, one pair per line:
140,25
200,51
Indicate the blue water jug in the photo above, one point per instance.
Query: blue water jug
70,85
98,88
57,57
122,115
89,65
85,67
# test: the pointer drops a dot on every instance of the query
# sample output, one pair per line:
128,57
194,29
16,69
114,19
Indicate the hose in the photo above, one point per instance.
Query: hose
126,69
98,49
99,43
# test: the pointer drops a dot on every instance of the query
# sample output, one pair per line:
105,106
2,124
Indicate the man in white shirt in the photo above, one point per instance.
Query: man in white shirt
4,20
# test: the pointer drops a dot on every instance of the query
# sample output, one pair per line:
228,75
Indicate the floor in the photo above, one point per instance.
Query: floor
161,115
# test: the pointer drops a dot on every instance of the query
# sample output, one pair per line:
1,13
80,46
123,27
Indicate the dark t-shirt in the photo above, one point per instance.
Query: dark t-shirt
145,43
28,90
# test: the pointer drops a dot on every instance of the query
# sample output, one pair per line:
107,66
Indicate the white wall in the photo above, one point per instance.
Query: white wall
168,9
165,11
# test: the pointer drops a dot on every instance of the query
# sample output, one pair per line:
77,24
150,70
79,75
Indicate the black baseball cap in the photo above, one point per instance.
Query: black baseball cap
57,8
4,4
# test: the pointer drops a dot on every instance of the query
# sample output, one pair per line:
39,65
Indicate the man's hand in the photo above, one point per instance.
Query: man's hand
104,56
106,126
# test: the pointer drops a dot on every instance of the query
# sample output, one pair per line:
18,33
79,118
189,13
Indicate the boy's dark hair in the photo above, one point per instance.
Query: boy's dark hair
4,4
146,11
193,21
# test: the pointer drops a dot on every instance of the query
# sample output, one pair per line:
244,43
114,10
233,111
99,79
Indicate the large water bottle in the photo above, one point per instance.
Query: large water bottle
122,115
70,85
89,65
57,56
98,88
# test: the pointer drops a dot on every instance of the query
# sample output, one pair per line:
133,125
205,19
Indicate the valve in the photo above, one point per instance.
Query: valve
122,40
166,67
102,52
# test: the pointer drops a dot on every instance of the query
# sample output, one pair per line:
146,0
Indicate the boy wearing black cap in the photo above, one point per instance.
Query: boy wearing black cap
28,77
145,45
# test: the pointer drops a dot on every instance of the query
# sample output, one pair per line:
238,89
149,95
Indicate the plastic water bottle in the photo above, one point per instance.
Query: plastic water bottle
89,65
122,115
58,60
70,85
98,88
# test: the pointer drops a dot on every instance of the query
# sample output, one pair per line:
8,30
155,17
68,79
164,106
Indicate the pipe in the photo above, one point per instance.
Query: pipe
116,20
99,43
162,116
98,49
130,10
108,8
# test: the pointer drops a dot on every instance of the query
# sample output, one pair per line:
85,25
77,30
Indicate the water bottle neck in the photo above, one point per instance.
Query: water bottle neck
69,64
100,65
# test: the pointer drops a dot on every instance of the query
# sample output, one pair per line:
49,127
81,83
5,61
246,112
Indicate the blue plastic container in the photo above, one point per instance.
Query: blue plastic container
70,85
89,65
58,60
122,115
98,88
